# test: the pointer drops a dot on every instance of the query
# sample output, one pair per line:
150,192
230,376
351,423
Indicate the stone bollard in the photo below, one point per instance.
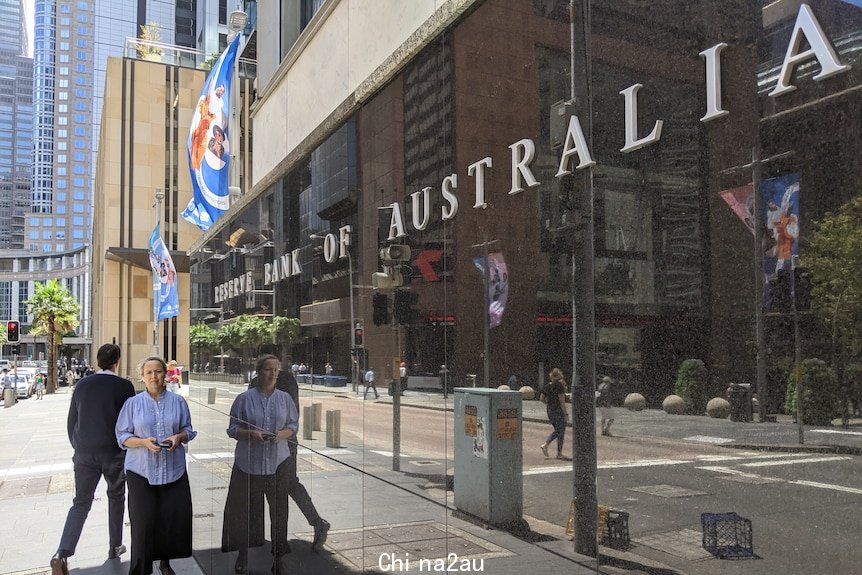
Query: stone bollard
718,408
673,405
307,422
333,428
634,402
9,398
318,416
527,392
211,395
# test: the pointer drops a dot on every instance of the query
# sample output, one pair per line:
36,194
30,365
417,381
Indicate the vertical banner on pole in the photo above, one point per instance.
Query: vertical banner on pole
498,285
209,153
165,294
781,214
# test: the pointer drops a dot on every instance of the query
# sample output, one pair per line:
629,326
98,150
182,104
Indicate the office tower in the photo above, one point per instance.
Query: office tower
16,110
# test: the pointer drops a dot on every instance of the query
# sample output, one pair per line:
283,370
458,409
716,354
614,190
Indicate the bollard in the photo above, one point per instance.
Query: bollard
211,395
307,421
333,428
318,416
9,398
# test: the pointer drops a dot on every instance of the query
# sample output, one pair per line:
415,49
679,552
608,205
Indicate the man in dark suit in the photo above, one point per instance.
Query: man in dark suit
287,382
93,414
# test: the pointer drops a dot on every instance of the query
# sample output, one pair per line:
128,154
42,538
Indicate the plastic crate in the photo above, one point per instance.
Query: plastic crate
727,535
616,533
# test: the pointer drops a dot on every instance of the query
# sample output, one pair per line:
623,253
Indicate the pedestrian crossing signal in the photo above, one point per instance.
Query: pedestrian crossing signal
13,332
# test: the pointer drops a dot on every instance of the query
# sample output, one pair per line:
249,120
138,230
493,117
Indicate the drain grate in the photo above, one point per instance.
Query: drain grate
215,488
203,515
425,462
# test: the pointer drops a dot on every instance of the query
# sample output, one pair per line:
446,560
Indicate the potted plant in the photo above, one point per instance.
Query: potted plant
150,33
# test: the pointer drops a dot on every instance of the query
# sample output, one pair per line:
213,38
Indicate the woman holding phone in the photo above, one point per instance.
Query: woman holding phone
152,428
262,420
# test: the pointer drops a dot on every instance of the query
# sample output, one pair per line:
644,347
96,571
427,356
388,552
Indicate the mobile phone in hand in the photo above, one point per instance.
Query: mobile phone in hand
167,443
268,435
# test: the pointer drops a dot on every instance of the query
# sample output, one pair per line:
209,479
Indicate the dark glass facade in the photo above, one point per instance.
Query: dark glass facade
677,274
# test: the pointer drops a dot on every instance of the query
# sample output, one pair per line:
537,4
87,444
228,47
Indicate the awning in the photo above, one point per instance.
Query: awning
325,312
140,257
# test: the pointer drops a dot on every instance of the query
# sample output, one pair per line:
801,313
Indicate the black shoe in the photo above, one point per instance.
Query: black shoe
115,552
59,565
241,565
321,530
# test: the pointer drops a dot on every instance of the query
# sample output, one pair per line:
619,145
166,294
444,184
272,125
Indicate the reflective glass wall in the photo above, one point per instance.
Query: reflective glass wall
434,236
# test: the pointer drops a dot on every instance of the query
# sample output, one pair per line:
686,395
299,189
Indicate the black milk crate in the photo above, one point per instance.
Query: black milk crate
616,532
727,535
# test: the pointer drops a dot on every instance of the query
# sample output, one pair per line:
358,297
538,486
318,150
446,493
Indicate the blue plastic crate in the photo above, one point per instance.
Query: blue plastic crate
727,535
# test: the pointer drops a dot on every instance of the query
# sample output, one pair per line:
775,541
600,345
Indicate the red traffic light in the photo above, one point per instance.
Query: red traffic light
13,332
357,336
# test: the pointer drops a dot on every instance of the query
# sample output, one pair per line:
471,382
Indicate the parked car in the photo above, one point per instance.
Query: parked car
24,385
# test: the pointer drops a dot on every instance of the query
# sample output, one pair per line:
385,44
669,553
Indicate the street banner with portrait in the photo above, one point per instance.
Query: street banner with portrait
166,299
208,144
781,216
498,286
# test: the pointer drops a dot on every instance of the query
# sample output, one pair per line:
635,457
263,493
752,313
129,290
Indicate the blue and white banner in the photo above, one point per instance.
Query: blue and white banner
166,300
208,143
781,216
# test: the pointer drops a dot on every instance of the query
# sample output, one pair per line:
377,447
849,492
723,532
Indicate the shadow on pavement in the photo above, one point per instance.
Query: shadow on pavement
302,559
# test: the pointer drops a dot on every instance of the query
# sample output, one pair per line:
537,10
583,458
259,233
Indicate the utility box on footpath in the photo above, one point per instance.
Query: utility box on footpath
488,456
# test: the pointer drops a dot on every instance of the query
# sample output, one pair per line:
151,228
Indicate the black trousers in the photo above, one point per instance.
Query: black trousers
299,493
243,510
161,517
89,469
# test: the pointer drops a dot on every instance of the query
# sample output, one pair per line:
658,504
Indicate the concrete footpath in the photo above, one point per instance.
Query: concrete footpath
382,521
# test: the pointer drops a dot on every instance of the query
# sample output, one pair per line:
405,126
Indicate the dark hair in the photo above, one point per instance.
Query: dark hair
263,359
217,130
108,355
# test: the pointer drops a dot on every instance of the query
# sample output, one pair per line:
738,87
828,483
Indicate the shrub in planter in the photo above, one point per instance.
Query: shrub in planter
691,385
777,376
821,398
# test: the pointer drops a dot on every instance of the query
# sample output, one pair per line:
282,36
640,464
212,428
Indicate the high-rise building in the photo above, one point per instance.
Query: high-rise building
16,112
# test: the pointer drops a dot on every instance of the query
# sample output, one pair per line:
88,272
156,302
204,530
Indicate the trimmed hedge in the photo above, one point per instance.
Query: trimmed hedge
691,385
821,396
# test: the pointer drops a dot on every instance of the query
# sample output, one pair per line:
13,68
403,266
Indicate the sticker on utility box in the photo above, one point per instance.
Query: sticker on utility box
470,413
507,424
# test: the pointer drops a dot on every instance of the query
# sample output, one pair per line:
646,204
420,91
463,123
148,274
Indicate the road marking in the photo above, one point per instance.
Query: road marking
739,473
793,461
610,465
709,439
836,431
36,470
828,486
207,456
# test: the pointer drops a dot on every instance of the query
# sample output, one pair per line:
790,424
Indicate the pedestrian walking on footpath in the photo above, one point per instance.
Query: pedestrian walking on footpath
369,383
153,427
263,420
287,383
174,377
40,386
93,412
603,401
554,397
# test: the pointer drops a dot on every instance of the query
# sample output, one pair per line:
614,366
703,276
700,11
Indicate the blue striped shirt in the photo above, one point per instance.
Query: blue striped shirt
252,409
142,416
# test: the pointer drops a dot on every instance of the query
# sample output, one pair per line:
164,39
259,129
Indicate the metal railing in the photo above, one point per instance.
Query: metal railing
169,54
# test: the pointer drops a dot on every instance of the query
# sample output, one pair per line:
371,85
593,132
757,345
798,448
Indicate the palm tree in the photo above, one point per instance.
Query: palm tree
54,311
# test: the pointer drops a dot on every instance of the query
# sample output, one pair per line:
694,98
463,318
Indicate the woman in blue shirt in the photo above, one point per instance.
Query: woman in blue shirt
262,420
152,428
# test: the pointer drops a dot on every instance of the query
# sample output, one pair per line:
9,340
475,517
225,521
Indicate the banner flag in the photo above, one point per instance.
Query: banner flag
498,285
781,216
208,144
741,201
166,304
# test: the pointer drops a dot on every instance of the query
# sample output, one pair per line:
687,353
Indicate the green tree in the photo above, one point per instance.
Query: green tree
253,331
834,257
821,400
54,311
285,332
691,385
202,338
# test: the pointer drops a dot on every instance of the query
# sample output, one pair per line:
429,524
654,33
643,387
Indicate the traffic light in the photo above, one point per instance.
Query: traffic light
13,332
381,309
405,312
395,253
357,335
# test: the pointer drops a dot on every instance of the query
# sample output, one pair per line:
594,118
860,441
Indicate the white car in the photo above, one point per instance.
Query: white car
24,385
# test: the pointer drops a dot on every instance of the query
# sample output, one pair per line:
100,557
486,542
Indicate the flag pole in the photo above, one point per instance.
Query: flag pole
156,287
